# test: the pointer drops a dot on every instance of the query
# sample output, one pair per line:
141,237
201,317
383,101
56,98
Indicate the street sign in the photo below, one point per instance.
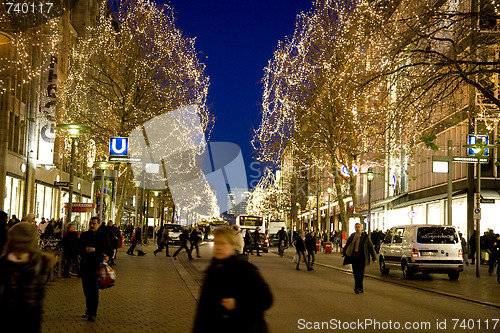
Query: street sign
488,201
477,213
461,159
62,184
118,146
473,139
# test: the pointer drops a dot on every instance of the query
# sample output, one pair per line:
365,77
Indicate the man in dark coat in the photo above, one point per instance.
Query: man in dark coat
472,247
69,245
183,238
256,240
357,252
195,240
310,243
94,247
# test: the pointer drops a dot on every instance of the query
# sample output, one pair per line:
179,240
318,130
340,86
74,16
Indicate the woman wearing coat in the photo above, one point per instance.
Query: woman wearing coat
234,295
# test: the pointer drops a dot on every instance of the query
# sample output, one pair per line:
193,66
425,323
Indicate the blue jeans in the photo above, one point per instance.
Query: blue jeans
309,255
303,254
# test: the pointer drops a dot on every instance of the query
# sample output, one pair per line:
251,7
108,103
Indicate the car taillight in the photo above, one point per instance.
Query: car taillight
460,253
414,253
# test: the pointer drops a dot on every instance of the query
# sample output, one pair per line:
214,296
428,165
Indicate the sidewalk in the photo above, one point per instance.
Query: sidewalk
151,294
484,290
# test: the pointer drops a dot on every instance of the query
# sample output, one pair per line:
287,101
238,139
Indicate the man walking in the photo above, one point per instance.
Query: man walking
183,238
195,240
357,252
256,240
94,247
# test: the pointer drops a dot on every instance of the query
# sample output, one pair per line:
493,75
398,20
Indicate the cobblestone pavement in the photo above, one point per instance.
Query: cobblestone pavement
150,295
158,294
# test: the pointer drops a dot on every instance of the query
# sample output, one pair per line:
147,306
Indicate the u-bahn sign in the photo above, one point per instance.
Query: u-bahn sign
118,147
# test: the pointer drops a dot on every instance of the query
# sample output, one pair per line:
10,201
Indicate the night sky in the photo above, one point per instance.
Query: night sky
236,38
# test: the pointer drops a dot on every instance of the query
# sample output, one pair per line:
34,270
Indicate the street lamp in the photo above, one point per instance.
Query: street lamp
330,191
102,165
5,38
479,149
370,176
311,197
74,130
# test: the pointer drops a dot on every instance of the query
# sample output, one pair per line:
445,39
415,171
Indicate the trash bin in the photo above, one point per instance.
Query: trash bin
328,247
318,246
121,241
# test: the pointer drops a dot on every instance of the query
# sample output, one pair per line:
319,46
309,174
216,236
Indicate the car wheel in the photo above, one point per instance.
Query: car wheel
407,273
454,275
383,269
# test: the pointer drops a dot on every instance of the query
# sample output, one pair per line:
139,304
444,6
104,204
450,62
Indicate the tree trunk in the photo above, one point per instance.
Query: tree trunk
123,196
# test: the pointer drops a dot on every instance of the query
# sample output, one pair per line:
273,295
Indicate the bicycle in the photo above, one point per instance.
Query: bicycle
281,248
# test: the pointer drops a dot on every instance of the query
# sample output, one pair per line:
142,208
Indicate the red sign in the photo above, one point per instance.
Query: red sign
80,207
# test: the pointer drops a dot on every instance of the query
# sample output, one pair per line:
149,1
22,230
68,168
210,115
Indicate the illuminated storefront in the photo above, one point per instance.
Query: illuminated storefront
14,196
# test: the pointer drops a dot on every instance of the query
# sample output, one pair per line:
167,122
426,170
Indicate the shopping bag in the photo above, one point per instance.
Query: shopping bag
138,246
105,276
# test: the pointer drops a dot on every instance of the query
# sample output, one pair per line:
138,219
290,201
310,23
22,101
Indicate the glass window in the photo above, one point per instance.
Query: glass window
388,236
8,199
47,205
437,235
39,201
398,235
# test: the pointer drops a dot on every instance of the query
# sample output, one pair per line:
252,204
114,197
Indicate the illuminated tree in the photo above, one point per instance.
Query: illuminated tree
320,99
133,66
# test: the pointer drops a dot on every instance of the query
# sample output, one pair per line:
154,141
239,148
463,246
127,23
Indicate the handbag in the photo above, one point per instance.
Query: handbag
105,276
138,246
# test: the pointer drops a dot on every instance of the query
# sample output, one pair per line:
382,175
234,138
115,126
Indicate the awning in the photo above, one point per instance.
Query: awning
426,199
490,194
387,200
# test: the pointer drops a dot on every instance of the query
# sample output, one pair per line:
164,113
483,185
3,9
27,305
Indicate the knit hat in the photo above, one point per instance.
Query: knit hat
22,236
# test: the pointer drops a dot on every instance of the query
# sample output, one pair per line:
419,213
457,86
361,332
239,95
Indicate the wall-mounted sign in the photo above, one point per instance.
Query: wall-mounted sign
412,214
345,172
393,181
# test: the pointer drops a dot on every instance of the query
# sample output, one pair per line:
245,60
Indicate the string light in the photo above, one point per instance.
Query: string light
364,79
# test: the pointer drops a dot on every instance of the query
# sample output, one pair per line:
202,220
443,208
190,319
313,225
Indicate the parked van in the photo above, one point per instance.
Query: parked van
422,248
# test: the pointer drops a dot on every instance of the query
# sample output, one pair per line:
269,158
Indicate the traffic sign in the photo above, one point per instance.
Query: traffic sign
345,172
477,213
473,139
62,184
118,146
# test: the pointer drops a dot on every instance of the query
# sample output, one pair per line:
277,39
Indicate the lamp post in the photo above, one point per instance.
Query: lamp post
311,197
102,165
74,130
330,191
479,149
370,176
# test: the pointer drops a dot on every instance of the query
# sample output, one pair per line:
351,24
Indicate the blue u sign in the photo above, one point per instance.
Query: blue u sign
118,146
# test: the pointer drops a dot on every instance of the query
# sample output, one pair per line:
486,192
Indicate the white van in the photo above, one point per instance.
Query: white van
422,248
274,227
